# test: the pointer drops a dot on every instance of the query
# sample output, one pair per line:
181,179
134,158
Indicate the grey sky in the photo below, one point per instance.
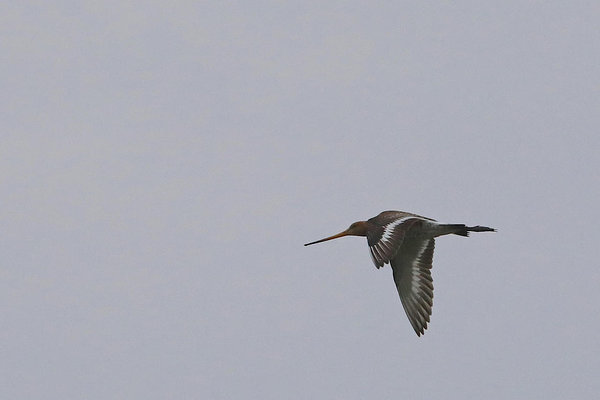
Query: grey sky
162,164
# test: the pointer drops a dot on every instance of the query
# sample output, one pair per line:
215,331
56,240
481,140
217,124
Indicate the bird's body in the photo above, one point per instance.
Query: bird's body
406,241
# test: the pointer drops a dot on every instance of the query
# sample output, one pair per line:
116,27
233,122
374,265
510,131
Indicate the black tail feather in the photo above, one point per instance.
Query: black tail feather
463,230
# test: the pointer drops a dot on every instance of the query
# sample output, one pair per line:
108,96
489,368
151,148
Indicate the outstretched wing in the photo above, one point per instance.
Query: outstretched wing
386,239
412,275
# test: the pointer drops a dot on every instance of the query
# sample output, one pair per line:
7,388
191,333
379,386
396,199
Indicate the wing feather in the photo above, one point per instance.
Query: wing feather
385,240
412,274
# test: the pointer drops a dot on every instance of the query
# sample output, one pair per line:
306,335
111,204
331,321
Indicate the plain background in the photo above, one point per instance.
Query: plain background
162,163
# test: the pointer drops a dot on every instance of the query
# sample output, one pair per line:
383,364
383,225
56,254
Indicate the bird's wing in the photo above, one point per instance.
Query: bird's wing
412,275
385,239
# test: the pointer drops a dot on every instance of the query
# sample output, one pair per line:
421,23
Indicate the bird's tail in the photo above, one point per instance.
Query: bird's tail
463,230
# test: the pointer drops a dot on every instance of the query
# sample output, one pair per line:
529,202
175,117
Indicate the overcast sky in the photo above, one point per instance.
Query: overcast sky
162,163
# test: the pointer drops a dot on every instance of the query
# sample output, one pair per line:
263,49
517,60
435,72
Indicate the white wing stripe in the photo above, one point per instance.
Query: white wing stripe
389,228
418,257
384,243
376,256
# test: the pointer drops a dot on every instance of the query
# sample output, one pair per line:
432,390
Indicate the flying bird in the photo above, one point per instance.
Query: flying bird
406,242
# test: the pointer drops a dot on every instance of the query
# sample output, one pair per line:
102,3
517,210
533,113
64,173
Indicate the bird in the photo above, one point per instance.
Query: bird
406,241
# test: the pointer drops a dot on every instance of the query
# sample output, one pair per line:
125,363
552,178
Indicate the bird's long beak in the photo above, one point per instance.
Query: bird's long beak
345,233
